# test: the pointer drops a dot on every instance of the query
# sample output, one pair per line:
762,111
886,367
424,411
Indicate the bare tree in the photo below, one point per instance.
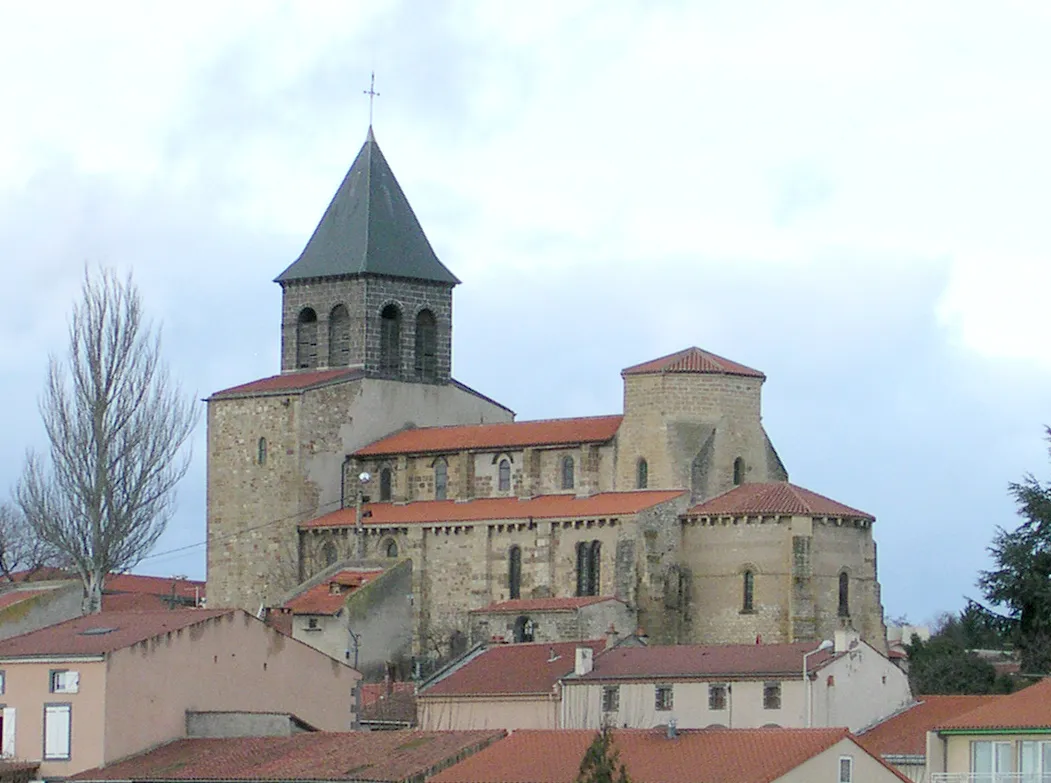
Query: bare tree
116,423
21,551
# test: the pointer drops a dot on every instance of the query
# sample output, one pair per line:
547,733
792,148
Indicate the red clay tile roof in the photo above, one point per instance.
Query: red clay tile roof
778,497
716,660
187,589
290,382
86,635
905,733
503,435
692,360
519,605
1029,708
694,756
372,692
320,599
12,597
135,602
512,669
356,755
605,504
397,707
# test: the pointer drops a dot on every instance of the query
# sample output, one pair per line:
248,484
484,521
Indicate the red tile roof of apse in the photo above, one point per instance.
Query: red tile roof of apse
692,360
605,504
512,669
517,605
905,733
320,599
694,756
1029,708
353,755
98,634
717,660
778,497
503,435
290,382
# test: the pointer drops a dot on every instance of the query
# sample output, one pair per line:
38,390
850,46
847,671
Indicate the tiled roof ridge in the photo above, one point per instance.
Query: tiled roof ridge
762,493
692,360
291,382
1009,711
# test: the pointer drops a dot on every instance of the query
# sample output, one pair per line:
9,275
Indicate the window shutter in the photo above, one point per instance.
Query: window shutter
56,731
8,742
72,682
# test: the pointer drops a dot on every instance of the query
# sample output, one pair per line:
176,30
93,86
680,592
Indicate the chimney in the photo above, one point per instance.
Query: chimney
845,639
585,662
672,729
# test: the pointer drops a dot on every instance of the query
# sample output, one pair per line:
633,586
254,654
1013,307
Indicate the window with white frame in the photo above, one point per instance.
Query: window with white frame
846,769
610,698
990,758
662,698
1034,760
7,731
57,721
64,681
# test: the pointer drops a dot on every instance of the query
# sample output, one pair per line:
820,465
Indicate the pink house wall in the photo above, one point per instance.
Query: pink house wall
233,662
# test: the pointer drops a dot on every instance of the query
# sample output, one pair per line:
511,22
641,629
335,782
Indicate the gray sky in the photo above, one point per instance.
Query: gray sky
850,197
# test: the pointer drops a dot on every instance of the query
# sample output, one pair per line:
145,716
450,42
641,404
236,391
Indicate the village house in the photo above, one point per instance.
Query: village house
1006,739
505,686
97,688
659,756
734,686
362,757
901,739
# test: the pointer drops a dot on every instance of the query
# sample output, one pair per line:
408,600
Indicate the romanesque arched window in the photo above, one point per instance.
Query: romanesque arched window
329,554
339,337
385,484
391,549
514,572
306,339
390,339
595,568
503,479
260,456
738,471
525,630
441,479
567,472
844,594
748,591
426,346
642,474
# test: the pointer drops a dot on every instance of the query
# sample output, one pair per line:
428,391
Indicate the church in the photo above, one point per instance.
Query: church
674,515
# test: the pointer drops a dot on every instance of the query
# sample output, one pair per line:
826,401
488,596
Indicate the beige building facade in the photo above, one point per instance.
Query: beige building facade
366,413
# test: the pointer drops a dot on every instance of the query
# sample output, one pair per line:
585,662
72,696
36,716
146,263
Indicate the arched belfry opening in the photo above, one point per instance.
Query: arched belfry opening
390,340
306,339
426,346
339,337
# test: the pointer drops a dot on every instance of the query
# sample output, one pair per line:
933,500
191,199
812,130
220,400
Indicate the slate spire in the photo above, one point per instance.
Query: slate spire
369,229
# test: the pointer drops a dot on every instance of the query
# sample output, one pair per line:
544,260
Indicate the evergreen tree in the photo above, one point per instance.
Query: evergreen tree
601,762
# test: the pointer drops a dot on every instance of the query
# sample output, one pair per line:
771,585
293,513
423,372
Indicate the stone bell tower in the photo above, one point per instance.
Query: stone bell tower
368,290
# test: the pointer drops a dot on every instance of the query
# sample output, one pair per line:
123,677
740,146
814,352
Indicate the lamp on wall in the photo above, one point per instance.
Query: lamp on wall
807,697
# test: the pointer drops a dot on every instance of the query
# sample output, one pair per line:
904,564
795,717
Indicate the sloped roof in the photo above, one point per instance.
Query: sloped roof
696,660
291,382
694,756
905,733
354,755
369,228
1029,708
320,599
604,504
529,669
12,597
98,634
397,707
519,605
124,583
692,360
502,435
777,497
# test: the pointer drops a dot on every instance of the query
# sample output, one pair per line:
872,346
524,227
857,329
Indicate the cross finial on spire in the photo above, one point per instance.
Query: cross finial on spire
371,92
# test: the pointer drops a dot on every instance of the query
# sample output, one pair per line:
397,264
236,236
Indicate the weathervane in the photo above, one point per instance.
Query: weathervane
371,92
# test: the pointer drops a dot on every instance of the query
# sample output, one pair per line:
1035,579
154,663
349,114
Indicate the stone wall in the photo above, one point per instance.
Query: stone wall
581,624
322,296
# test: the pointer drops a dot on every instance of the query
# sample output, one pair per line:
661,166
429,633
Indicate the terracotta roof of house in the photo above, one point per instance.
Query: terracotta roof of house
501,435
905,733
692,360
320,599
396,707
605,504
98,634
1029,708
12,597
181,587
716,660
354,755
694,756
511,669
776,497
372,692
291,382
519,605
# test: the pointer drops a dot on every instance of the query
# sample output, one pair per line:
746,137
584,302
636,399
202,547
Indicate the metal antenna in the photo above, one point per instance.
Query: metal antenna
371,92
